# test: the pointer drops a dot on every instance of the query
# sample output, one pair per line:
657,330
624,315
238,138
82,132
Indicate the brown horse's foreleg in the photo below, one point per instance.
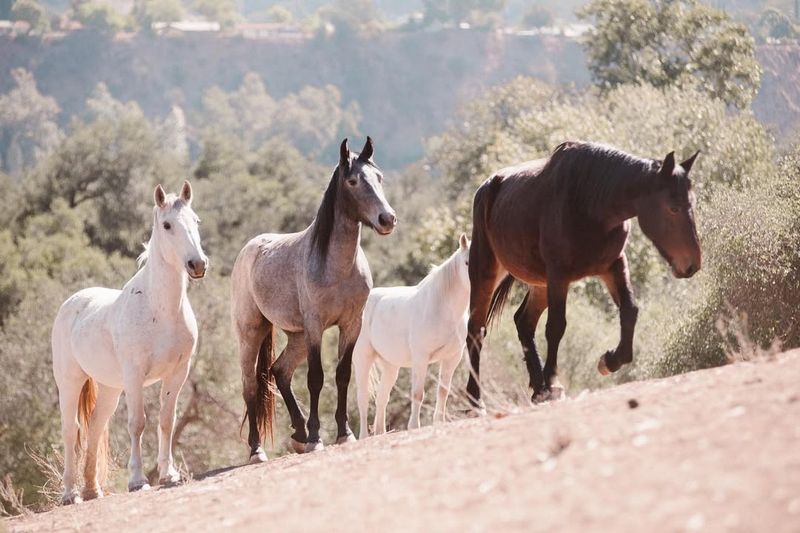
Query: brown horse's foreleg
618,282
526,318
347,341
556,324
283,370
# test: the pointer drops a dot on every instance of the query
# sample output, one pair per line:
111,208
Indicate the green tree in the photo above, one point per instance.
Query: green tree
146,12
669,42
537,16
226,12
28,127
481,13
33,13
99,15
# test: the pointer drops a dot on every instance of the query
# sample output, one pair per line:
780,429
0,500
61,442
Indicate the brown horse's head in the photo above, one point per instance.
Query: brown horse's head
360,182
666,216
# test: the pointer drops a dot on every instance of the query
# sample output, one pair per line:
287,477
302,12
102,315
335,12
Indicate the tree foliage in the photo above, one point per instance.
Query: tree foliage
668,42
33,13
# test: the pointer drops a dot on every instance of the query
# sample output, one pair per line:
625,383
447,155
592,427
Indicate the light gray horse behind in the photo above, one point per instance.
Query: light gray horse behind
305,283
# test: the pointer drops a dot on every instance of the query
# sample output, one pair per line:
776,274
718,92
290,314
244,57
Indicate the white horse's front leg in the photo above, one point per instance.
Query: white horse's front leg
419,370
446,370
170,389
134,397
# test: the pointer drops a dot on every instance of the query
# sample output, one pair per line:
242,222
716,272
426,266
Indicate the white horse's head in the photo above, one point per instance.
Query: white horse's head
177,232
462,259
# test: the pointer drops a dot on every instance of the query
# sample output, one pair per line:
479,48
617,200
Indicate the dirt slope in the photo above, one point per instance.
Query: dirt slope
708,451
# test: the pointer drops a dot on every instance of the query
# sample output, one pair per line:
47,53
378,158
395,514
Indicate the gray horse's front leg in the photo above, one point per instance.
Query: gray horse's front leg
316,379
347,341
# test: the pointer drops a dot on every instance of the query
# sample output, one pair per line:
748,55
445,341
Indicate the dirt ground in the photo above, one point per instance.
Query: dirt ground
713,450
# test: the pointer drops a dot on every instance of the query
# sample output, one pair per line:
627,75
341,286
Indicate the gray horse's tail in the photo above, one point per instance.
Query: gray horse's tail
265,384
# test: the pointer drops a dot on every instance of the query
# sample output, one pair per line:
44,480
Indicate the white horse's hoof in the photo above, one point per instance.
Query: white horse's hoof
258,457
138,485
314,447
347,438
92,494
170,481
72,497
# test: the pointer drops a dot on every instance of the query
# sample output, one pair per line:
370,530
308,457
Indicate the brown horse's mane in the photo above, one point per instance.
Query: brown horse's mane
322,228
594,176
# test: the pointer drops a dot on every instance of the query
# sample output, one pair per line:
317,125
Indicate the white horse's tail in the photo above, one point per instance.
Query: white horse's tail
86,404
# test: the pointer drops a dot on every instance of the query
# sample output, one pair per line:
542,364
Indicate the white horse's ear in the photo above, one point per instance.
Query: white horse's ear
463,242
186,192
160,196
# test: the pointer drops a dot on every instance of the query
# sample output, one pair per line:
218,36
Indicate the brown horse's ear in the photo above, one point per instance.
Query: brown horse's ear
160,196
344,156
367,151
687,165
668,165
463,243
186,192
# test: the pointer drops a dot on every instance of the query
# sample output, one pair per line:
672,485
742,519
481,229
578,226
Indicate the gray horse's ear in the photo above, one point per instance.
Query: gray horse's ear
463,242
344,155
160,196
186,192
687,165
668,165
367,151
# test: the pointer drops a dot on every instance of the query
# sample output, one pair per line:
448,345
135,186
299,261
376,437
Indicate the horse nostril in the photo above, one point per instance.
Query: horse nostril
190,264
387,219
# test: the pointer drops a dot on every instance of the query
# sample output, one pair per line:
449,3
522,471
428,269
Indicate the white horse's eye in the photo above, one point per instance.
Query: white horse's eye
167,226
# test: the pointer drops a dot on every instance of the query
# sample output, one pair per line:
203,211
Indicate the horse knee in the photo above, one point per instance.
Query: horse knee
136,424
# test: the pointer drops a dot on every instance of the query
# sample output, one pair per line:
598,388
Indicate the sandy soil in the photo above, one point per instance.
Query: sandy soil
708,451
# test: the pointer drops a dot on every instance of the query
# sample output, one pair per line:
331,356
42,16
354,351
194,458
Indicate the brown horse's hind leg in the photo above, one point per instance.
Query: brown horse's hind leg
526,318
556,325
619,285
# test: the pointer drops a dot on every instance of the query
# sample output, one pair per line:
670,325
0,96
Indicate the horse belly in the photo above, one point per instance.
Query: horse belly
388,331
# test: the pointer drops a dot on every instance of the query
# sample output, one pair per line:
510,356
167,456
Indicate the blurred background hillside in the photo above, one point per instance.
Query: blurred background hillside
99,101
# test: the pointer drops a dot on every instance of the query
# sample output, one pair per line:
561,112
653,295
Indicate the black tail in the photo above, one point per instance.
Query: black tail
499,298
265,387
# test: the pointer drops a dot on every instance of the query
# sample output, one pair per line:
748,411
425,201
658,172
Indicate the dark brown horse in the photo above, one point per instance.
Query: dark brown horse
553,221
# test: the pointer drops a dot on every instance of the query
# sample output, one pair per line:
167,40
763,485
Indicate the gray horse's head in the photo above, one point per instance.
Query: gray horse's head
361,189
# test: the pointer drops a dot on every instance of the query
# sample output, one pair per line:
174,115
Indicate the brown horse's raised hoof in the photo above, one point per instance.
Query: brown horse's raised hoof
602,367
347,438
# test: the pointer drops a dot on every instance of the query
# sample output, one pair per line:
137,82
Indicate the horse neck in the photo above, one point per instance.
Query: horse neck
343,246
627,206
166,284
446,287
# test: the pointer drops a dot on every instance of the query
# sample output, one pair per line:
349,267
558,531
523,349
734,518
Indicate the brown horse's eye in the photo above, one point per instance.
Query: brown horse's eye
167,226
674,209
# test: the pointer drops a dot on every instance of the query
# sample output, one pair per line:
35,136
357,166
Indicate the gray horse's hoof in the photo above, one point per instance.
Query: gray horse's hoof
602,367
258,456
347,438
314,447
294,445
70,498
138,485
92,493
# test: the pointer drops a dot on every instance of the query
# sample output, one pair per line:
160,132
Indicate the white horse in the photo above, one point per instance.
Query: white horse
106,341
414,327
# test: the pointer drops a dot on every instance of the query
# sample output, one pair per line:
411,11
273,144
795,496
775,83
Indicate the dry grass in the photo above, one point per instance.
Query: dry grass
739,345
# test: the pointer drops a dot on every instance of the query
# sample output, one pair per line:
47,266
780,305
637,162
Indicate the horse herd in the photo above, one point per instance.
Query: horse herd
544,223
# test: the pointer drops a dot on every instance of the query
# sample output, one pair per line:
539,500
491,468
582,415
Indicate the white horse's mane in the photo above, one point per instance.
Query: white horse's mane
441,278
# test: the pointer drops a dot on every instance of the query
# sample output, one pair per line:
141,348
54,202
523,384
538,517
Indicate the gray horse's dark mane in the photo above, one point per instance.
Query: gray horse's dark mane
322,228
595,176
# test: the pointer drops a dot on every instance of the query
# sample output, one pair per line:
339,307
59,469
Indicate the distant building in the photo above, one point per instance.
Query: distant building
186,26
272,31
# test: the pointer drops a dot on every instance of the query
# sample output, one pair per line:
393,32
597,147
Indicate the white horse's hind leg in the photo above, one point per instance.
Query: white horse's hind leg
388,378
419,370
69,392
107,400
446,370
363,359
134,397
170,389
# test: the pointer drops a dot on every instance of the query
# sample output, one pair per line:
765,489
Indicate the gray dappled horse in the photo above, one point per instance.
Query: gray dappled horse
305,283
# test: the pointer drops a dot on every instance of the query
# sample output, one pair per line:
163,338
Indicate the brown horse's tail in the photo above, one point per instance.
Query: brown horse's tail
265,387
499,299
86,404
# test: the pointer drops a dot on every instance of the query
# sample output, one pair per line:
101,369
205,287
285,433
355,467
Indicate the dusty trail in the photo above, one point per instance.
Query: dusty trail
715,450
